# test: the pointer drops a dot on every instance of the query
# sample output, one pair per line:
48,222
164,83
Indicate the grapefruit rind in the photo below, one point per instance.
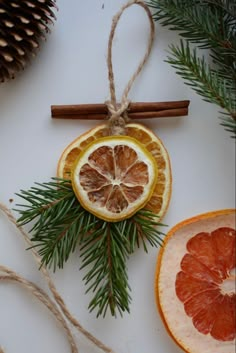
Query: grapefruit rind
202,343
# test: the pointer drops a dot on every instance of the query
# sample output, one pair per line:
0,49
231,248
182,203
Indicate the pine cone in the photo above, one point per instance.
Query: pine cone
23,23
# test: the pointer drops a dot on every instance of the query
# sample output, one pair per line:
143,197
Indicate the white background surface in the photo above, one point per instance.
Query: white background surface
71,68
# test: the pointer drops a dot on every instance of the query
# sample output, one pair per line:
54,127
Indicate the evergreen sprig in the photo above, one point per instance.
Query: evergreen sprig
61,225
107,250
208,25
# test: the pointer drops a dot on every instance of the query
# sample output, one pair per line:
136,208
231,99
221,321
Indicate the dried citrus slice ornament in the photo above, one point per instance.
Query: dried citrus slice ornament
114,177
147,140
195,283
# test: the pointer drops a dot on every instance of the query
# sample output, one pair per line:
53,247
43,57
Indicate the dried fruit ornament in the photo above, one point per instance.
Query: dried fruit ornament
195,283
112,188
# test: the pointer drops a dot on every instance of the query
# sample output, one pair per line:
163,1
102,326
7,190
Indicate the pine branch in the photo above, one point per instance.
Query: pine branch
228,6
206,82
199,76
105,252
61,223
197,22
211,25
142,228
111,245
229,125
60,220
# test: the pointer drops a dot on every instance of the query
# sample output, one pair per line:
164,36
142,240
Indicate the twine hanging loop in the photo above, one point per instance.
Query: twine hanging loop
118,113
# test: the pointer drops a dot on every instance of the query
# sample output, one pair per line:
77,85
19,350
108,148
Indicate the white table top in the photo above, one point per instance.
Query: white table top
71,68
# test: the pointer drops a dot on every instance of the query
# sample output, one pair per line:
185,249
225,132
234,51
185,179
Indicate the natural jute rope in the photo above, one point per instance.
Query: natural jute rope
118,112
8,275
42,296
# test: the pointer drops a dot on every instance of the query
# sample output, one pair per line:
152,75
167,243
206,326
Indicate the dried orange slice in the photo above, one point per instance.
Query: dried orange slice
159,201
195,283
113,177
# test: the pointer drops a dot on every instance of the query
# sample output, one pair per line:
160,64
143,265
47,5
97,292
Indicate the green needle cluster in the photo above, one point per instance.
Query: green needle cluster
61,226
210,25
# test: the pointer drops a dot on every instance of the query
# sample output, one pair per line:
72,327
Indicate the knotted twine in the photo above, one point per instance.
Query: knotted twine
57,306
119,112
117,121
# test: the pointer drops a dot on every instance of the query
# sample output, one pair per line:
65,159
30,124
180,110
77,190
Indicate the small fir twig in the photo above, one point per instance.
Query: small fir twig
209,25
59,220
105,251
61,223
197,74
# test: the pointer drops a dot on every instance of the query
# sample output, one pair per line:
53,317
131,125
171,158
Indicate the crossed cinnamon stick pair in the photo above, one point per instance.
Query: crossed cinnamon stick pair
140,110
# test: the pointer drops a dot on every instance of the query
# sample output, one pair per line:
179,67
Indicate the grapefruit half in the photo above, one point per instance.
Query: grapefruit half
195,283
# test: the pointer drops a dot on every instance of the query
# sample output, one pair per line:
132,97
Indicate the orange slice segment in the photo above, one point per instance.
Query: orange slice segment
160,198
195,283
113,177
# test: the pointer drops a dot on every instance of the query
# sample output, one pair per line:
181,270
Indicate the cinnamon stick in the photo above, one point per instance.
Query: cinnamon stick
138,115
138,110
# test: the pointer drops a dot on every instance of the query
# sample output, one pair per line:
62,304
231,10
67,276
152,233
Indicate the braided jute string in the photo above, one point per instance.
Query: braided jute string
60,314
118,112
